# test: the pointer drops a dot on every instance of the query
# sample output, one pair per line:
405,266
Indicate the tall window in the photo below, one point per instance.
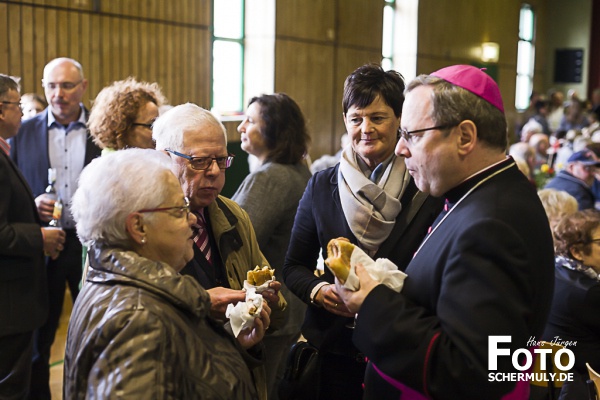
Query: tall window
525,57
228,56
387,51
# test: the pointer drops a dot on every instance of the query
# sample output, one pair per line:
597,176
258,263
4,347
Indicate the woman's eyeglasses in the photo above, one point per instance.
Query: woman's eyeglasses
181,210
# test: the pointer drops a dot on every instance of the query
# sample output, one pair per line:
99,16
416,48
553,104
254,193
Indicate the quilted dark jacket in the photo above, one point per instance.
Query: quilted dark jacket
139,330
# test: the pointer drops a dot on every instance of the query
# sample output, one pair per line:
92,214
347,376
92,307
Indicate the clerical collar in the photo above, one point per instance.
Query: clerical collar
454,194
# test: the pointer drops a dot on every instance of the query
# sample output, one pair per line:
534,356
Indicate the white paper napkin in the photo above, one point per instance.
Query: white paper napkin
382,270
238,315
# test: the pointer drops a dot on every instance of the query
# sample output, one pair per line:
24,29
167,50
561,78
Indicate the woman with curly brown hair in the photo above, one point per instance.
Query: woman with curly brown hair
123,113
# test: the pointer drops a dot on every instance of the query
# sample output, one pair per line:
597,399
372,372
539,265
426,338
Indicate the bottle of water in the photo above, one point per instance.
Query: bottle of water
50,190
57,213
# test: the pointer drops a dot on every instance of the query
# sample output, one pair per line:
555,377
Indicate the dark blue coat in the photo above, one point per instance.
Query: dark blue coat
318,220
575,187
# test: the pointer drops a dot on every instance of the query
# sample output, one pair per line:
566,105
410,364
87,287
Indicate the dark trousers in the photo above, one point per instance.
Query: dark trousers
15,365
66,269
341,377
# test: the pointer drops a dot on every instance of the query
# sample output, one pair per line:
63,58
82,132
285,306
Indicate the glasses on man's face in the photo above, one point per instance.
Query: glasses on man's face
148,126
408,135
16,103
180,210
66,86
204,163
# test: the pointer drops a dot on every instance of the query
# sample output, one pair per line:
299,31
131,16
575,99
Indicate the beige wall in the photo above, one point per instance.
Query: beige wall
317,44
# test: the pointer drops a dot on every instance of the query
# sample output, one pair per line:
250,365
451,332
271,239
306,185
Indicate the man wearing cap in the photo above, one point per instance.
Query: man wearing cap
577,178
484,270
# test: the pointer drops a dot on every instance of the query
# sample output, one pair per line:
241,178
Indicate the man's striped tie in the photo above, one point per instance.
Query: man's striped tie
201,239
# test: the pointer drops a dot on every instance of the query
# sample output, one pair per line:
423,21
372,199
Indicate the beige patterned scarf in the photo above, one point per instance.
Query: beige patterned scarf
371,209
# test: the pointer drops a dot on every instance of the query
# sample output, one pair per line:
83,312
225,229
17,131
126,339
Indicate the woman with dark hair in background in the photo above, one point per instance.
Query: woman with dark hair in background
274,131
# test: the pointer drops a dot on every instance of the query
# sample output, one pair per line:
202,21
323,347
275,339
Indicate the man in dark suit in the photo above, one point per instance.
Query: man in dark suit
56,138
23,295
486,268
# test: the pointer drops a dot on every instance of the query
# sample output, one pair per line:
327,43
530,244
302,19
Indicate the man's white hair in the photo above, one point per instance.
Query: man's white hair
169,129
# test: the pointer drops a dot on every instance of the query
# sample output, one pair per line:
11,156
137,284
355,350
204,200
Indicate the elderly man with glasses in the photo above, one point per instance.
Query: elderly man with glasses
226,246
56,138
577,178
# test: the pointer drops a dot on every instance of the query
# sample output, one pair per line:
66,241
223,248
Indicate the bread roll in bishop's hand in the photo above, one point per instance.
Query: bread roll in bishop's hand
339,252
259,276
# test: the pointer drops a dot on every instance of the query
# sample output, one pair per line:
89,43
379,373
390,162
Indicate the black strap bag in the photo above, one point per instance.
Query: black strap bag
301,379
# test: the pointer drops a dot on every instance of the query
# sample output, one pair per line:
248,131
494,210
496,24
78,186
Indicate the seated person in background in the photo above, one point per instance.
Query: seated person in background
557,205
32,104
524,155
577,178
274,131
541,115
574,116
574,315
123,113
555,109
327,160
593,131
529,129
541,144
139,329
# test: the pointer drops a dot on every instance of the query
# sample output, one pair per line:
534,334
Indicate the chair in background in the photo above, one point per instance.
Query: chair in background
593,383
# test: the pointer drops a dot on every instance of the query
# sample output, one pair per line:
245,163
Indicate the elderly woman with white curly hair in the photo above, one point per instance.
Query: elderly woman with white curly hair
139,329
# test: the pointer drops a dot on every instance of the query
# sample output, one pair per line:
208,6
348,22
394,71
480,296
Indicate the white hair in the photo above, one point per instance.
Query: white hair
113,186
168,129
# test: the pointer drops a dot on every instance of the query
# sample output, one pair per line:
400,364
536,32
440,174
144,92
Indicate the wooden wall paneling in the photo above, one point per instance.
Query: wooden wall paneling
39,55
188,79
126,46
75,42
163,63
202,48
177,55
147,53
347,60
135,52
4,39
94,69
28,78
360,23
62,33
115,49
86,45
203,12
306,19
304,71
14,39
107,58
51,32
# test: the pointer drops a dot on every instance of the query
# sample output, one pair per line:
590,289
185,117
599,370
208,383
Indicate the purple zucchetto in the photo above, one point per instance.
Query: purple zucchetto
474,80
